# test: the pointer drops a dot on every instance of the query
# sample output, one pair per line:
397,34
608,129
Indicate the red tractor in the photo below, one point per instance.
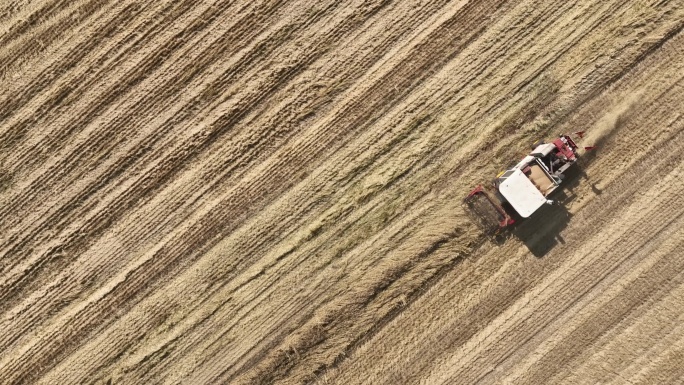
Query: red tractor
524,188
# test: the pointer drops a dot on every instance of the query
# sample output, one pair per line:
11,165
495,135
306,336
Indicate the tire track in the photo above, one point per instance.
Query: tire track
471,324
628,347
47,76
297,229
618,201
196,234
18,50
61,218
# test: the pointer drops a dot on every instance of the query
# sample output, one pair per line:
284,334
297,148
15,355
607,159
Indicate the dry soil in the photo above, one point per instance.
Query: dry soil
238,191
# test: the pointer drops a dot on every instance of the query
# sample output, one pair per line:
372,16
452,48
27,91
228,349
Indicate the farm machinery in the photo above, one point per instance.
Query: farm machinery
521,190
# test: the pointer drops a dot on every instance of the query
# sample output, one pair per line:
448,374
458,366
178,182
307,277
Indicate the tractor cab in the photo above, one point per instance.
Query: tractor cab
527,185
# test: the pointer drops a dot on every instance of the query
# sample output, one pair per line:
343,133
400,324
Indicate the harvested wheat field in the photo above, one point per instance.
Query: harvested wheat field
255,192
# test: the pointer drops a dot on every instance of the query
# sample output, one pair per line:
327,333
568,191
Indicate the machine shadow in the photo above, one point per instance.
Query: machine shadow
542,231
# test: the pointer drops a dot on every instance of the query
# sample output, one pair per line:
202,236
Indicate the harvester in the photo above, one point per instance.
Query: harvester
518,192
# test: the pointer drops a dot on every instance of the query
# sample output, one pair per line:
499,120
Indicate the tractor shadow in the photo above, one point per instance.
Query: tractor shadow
542,231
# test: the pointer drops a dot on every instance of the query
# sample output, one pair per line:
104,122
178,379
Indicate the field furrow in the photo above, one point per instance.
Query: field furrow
231,191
